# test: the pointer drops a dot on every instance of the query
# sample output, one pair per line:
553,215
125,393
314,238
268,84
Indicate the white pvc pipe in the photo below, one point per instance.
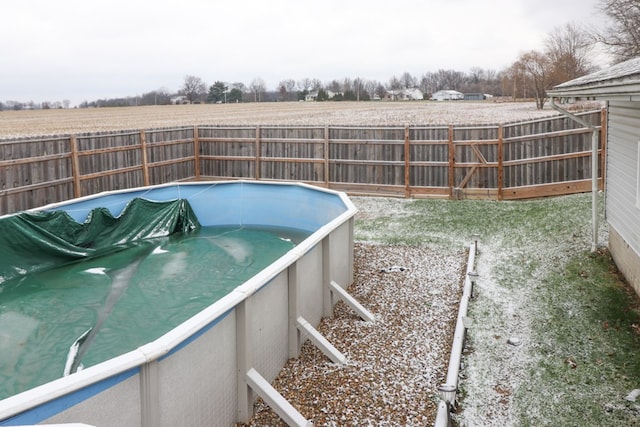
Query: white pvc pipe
594,169
442,418
594,188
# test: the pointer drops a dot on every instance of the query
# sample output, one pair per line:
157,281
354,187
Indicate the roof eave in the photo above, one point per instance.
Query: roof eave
622,91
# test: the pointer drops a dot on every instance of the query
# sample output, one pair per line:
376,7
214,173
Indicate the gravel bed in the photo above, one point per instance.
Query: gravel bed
394,364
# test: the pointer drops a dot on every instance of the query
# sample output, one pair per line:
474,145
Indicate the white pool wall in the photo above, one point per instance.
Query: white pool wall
195,374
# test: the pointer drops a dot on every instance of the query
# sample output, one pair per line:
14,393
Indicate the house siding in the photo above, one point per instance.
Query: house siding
623,213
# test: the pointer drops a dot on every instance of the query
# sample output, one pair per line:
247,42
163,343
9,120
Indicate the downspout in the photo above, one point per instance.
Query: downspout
594,168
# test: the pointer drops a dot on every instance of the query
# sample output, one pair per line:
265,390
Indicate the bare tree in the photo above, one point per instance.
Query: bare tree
334,86
447,79
305,84
193,88
513,81
160,96
622,36
380,90
239,85
568,49
370,86
282,90
287,88
316,84
395,83
290,85
429,83
408,81
359,88
537,71
347,85
258,88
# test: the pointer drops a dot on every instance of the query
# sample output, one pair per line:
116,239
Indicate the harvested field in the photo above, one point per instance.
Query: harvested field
56,122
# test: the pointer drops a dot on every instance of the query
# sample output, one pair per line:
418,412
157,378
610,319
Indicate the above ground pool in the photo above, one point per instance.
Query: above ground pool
149,295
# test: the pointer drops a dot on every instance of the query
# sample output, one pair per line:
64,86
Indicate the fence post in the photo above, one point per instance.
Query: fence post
145,162
452,162
196,152
75,166
407,163
603,148
500,162
326,155
258,154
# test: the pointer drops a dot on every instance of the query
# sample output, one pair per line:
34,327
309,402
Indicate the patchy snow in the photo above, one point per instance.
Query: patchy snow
512,267
492,369
15,124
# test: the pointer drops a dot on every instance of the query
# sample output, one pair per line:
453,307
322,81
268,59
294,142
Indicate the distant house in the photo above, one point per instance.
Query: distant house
620,86
412,94
447,95
313,96
475,96
179,100
407,94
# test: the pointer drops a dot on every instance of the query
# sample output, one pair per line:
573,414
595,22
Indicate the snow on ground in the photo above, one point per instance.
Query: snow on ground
512,267
492,368
14,124
394,367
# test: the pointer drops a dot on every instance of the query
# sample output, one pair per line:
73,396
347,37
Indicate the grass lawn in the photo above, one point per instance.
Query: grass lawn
577,322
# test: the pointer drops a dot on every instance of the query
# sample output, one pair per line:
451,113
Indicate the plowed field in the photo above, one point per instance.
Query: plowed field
73,121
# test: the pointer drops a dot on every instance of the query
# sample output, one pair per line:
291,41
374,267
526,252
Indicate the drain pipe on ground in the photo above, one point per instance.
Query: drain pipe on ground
595,136
447,391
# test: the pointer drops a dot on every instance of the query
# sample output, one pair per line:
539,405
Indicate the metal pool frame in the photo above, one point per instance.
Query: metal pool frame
209,370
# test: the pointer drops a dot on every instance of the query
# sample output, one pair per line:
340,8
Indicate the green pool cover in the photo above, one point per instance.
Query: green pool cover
36,241
73,295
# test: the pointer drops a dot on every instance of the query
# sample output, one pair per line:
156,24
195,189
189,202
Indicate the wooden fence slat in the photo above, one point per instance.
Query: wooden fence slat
31,160
110,172
75,167
407,162
31,187
196,151
531,160
326,156
452,161
145,162
500,163
515,160
258,149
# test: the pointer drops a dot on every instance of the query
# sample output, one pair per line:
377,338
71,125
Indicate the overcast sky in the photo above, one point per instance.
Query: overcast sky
85,50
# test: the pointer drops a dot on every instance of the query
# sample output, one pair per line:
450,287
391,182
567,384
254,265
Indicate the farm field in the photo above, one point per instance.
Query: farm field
14,124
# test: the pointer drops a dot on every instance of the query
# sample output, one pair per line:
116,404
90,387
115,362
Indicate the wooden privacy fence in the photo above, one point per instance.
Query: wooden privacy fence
535,158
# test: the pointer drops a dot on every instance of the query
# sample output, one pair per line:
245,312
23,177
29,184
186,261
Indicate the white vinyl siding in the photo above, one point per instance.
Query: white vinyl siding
623,171
638,176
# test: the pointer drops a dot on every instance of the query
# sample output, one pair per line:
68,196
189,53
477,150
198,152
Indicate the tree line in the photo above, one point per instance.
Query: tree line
566,55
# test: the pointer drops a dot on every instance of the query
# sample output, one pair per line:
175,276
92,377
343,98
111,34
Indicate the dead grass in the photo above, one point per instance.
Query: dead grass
14,124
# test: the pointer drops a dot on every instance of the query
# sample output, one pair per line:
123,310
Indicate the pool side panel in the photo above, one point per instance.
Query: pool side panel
197,384
310,285
90,403
269,326
341,255
190,375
